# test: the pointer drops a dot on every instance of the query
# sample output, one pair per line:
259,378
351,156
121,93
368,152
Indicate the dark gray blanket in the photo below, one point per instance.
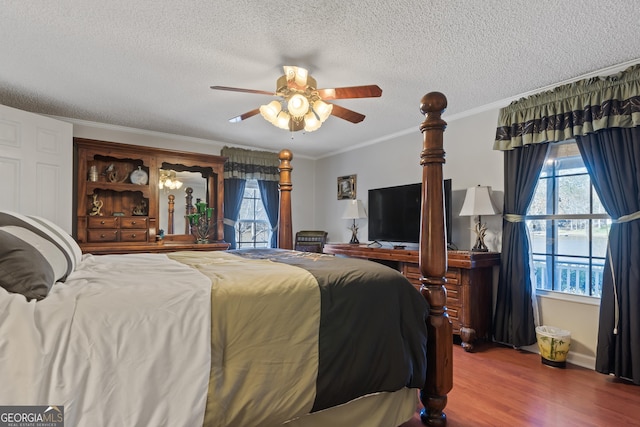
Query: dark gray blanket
372,326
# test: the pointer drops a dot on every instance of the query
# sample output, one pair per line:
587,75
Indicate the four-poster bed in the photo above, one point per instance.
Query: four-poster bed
220,338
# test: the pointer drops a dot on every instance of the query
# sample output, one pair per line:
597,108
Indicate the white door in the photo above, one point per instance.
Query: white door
36,166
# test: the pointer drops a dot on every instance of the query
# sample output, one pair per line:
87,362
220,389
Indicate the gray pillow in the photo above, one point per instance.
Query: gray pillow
23,269
42,229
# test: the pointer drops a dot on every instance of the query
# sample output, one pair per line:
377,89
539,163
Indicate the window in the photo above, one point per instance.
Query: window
568,226
252,228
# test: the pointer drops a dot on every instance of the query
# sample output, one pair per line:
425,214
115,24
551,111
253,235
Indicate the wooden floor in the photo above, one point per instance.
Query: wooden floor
500,386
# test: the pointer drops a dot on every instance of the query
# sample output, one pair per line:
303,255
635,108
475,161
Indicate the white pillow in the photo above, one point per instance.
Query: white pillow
58,231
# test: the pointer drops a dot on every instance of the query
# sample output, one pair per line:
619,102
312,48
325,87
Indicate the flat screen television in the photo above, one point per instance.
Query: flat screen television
394,213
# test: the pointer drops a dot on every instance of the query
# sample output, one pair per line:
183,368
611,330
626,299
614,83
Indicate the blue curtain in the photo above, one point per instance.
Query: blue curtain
514,317
612,157
271,200
233,193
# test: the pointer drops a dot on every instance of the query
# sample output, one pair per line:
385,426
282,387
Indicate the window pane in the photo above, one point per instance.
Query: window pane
597,204
246,231
600,236
262,232
573,194
597,272
538,235
573,237
572,275
541,272
538,205
572,165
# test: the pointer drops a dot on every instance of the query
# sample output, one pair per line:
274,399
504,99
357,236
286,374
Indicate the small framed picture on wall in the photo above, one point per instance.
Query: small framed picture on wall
347,187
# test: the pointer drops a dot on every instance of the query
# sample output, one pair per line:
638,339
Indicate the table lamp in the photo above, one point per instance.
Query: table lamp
354,211
478,202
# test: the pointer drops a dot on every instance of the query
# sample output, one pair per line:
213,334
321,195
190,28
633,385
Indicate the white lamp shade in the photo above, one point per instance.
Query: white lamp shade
311,122
298,105
322,109
283,120
270,111
478,202
354,210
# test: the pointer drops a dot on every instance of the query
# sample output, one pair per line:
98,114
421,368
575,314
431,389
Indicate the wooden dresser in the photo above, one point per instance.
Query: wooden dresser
469,284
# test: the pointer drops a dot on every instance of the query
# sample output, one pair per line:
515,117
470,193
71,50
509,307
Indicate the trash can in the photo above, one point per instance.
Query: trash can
553,344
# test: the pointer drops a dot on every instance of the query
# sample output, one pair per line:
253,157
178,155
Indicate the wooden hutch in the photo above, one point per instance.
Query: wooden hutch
117,197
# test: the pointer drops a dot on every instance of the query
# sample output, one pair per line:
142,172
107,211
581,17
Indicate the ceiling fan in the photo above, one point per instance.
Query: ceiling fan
301,105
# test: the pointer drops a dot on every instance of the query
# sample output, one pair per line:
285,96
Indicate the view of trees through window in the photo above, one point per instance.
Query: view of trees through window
252,228
568,226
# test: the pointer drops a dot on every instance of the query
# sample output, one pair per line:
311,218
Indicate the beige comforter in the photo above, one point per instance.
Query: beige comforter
264,339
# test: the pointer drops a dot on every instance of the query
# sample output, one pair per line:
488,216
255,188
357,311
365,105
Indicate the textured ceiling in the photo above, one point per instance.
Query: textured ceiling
148,64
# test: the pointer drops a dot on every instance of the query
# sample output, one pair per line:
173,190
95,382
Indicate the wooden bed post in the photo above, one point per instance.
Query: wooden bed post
171,209
285,230
433,263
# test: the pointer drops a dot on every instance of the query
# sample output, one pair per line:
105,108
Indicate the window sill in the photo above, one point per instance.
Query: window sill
580,299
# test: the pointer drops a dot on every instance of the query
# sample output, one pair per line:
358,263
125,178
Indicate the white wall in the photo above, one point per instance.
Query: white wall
470,161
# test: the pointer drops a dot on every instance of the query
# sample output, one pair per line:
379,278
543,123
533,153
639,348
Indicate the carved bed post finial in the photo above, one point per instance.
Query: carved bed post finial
285,229
188,208
433,263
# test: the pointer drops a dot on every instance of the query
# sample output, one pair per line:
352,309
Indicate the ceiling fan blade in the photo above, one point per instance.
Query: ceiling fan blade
346,114
370,91
235,89
244,116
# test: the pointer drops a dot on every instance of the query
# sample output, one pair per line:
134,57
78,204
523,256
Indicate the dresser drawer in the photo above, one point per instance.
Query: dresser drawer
453,294
133,222
129,235
105,235
103,222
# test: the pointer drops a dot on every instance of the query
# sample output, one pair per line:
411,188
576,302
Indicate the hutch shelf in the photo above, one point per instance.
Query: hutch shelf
117,197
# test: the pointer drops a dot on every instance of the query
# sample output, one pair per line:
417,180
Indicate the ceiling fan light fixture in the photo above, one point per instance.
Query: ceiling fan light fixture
296,74
169,180
270,111
311,122
283,120
322,109
298,105
301,104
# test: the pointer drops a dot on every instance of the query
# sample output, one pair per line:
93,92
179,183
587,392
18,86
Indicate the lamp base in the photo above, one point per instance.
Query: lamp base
354,234
480,230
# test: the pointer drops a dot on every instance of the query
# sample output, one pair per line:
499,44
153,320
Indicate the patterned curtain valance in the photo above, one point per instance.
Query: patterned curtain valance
571,110
250,164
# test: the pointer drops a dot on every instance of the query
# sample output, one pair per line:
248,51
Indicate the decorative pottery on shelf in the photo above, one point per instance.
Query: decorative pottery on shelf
553,344
139,176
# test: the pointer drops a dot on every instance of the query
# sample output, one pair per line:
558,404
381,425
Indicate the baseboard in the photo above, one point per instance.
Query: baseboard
582,360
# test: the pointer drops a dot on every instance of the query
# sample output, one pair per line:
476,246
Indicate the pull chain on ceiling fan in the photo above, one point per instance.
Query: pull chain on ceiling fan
301,105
